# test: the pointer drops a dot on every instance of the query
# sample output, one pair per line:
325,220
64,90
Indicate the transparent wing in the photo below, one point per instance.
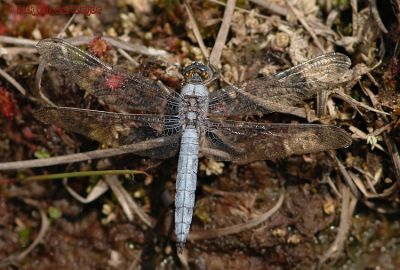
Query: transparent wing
246,141
116,129
115,88
287,88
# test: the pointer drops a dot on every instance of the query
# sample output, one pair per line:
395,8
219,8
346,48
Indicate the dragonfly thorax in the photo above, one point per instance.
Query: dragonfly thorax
195,105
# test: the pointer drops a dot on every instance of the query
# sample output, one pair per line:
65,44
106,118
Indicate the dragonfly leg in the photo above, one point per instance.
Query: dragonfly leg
216,74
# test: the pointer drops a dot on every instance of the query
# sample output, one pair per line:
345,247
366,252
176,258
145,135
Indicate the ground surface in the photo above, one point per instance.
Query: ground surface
336,213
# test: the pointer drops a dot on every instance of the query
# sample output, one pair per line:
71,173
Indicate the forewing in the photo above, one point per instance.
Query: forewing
246,141
115,88
115,129
326,69
277,92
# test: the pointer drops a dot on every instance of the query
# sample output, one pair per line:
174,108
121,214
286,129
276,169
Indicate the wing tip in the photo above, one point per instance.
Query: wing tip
343,138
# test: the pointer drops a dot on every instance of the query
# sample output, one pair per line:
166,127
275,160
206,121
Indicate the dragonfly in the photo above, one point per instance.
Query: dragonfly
193,122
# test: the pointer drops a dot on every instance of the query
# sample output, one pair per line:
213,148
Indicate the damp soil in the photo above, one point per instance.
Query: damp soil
308,231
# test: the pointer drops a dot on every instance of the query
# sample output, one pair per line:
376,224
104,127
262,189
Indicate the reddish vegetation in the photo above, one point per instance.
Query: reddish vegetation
114,81
98,46
3,29
8,108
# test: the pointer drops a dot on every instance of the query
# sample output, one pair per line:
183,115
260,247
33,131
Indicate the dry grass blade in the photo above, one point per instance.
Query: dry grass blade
347,178
348,205
327,179
354,103
271,7
18,41
13,82
99,189
207,234
301,19
118,191
394,154
377,18
196,30
184,259
44,226
126,201
354,15
222,33
140,49
240,9
62,32
128,57
96,154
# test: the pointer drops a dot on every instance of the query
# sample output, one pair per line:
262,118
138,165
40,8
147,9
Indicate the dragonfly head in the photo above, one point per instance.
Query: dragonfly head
196,72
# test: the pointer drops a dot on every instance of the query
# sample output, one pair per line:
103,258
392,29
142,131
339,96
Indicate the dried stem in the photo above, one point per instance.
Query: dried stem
45,224
196,30
96,154
222,33
126,201
348,205
13,82
207,234
271,7
301,19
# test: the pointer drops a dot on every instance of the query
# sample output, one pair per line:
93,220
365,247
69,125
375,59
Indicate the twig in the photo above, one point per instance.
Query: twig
348,206
273,8
300,17
326,178
207,234
354,16
12,259
99,189
240,9
375,15
13,82
62,32
222,33
12,51
96,154
394,154
85,39
196,30
18,41
354,102
126,201
136,260
128,57
43,229
345,175
137,48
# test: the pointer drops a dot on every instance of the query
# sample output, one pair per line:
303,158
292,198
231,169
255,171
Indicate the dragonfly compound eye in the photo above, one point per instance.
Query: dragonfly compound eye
197,68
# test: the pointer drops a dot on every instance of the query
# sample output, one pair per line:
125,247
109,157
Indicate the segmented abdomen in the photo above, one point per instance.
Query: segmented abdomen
186,184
